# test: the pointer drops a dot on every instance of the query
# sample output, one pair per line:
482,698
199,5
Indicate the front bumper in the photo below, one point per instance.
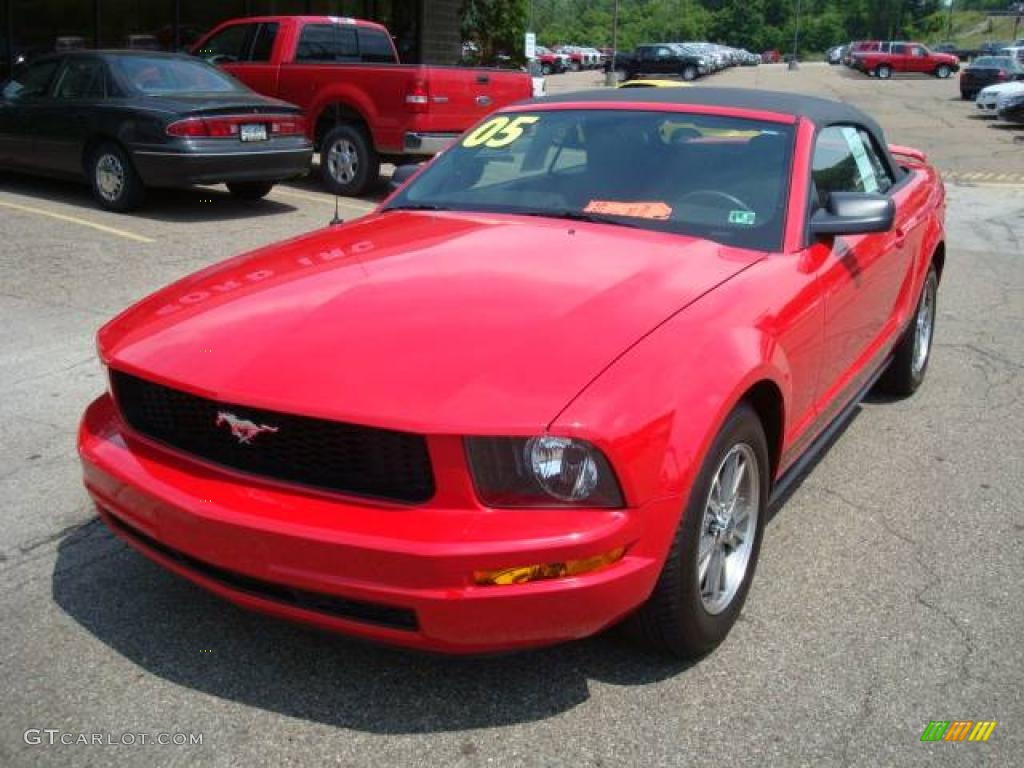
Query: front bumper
173,168
394,574
427,143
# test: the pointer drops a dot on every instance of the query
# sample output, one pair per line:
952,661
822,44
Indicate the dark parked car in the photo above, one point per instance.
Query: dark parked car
128,120
661,59
989,70
1013,108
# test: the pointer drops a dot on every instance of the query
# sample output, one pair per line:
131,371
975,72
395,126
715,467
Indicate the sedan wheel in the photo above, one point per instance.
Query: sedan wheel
690,73
943,71
115,184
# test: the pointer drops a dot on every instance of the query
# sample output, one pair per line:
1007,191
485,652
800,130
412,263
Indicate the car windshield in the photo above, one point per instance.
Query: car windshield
166,76
720,178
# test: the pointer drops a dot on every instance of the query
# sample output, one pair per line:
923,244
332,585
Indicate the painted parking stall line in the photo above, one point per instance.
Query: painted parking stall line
77,220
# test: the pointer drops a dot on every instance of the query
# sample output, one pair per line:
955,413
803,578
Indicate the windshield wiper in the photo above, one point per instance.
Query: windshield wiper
418,207
593,218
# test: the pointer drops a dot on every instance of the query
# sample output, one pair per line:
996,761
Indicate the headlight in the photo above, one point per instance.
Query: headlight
543,471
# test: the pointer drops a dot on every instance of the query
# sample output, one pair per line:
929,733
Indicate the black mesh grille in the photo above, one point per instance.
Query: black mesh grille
363,461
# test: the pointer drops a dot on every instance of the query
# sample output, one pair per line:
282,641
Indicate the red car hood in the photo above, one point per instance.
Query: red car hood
459,323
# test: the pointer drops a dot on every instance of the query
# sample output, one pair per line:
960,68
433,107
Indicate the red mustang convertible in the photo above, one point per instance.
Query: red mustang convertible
552,384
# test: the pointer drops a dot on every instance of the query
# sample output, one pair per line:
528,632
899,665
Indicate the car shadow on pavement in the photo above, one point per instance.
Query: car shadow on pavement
178,632
189,205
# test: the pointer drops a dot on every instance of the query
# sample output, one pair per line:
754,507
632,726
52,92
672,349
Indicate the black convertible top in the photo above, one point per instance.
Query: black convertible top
822,112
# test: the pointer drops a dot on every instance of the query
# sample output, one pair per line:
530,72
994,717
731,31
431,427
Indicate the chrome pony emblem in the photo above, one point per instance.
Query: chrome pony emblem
243,429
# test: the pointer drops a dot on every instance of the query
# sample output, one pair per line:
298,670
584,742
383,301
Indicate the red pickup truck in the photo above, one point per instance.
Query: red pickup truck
362,106
882,59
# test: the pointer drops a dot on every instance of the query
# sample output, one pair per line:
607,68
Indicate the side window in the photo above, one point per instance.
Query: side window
231,44
899,49
883,175
841,163
33,80
327,42
263,45
375,47
917,50
81,79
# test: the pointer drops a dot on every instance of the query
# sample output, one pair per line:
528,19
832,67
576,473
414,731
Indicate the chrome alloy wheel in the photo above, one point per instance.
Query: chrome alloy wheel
924,325
110,177
728,528
343,161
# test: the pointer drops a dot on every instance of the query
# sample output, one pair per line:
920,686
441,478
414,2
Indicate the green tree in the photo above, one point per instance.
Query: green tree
495,26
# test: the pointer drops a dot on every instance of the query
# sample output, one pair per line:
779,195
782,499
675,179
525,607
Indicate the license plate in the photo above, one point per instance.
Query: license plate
256,132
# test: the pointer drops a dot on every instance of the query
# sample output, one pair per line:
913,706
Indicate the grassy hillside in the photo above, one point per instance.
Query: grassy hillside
972,28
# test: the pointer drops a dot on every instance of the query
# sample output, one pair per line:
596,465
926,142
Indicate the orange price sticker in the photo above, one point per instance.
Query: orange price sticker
636,210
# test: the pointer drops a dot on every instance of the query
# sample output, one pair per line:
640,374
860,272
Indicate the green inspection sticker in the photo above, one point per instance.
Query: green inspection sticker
742,217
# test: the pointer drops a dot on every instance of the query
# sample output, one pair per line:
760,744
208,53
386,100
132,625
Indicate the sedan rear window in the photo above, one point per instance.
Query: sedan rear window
724,179
165,76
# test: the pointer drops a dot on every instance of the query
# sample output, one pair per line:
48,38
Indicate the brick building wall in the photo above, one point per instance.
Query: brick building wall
440,38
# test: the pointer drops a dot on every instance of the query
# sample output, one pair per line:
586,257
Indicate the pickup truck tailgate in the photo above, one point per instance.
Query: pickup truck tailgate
460,96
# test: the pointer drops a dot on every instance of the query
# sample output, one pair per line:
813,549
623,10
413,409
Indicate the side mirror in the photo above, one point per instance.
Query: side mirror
854,213
402,174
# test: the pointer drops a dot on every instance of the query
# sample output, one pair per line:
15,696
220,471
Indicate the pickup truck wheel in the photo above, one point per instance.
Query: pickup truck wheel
575,66
250,190
913,351
943,71
545,69
348,162
883,71
711,562
689,72
115,183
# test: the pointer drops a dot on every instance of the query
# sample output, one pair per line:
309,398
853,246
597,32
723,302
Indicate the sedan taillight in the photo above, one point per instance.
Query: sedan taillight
228,127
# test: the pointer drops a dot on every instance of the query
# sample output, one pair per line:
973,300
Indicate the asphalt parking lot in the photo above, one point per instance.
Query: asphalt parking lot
888,592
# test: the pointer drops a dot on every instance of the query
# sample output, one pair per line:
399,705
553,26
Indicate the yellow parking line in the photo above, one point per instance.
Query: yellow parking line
325,198
80,222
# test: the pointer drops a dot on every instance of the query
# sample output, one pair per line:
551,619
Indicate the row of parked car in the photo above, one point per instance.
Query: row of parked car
688,60
128,120
570,58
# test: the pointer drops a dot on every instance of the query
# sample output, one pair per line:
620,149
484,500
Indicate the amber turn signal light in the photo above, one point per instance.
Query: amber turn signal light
545,571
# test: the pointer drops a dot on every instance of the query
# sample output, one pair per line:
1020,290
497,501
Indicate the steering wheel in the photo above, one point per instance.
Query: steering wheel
731,199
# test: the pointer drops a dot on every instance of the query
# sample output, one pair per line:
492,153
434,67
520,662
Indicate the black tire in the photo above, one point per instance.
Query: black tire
883,71
574,66
965,96
689,72
674,620
354,173
545,69
115,183
250,190
943,71
906,371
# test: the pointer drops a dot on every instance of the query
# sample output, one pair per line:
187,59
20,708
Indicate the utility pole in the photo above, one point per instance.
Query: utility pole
949,22
611,77
796,39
